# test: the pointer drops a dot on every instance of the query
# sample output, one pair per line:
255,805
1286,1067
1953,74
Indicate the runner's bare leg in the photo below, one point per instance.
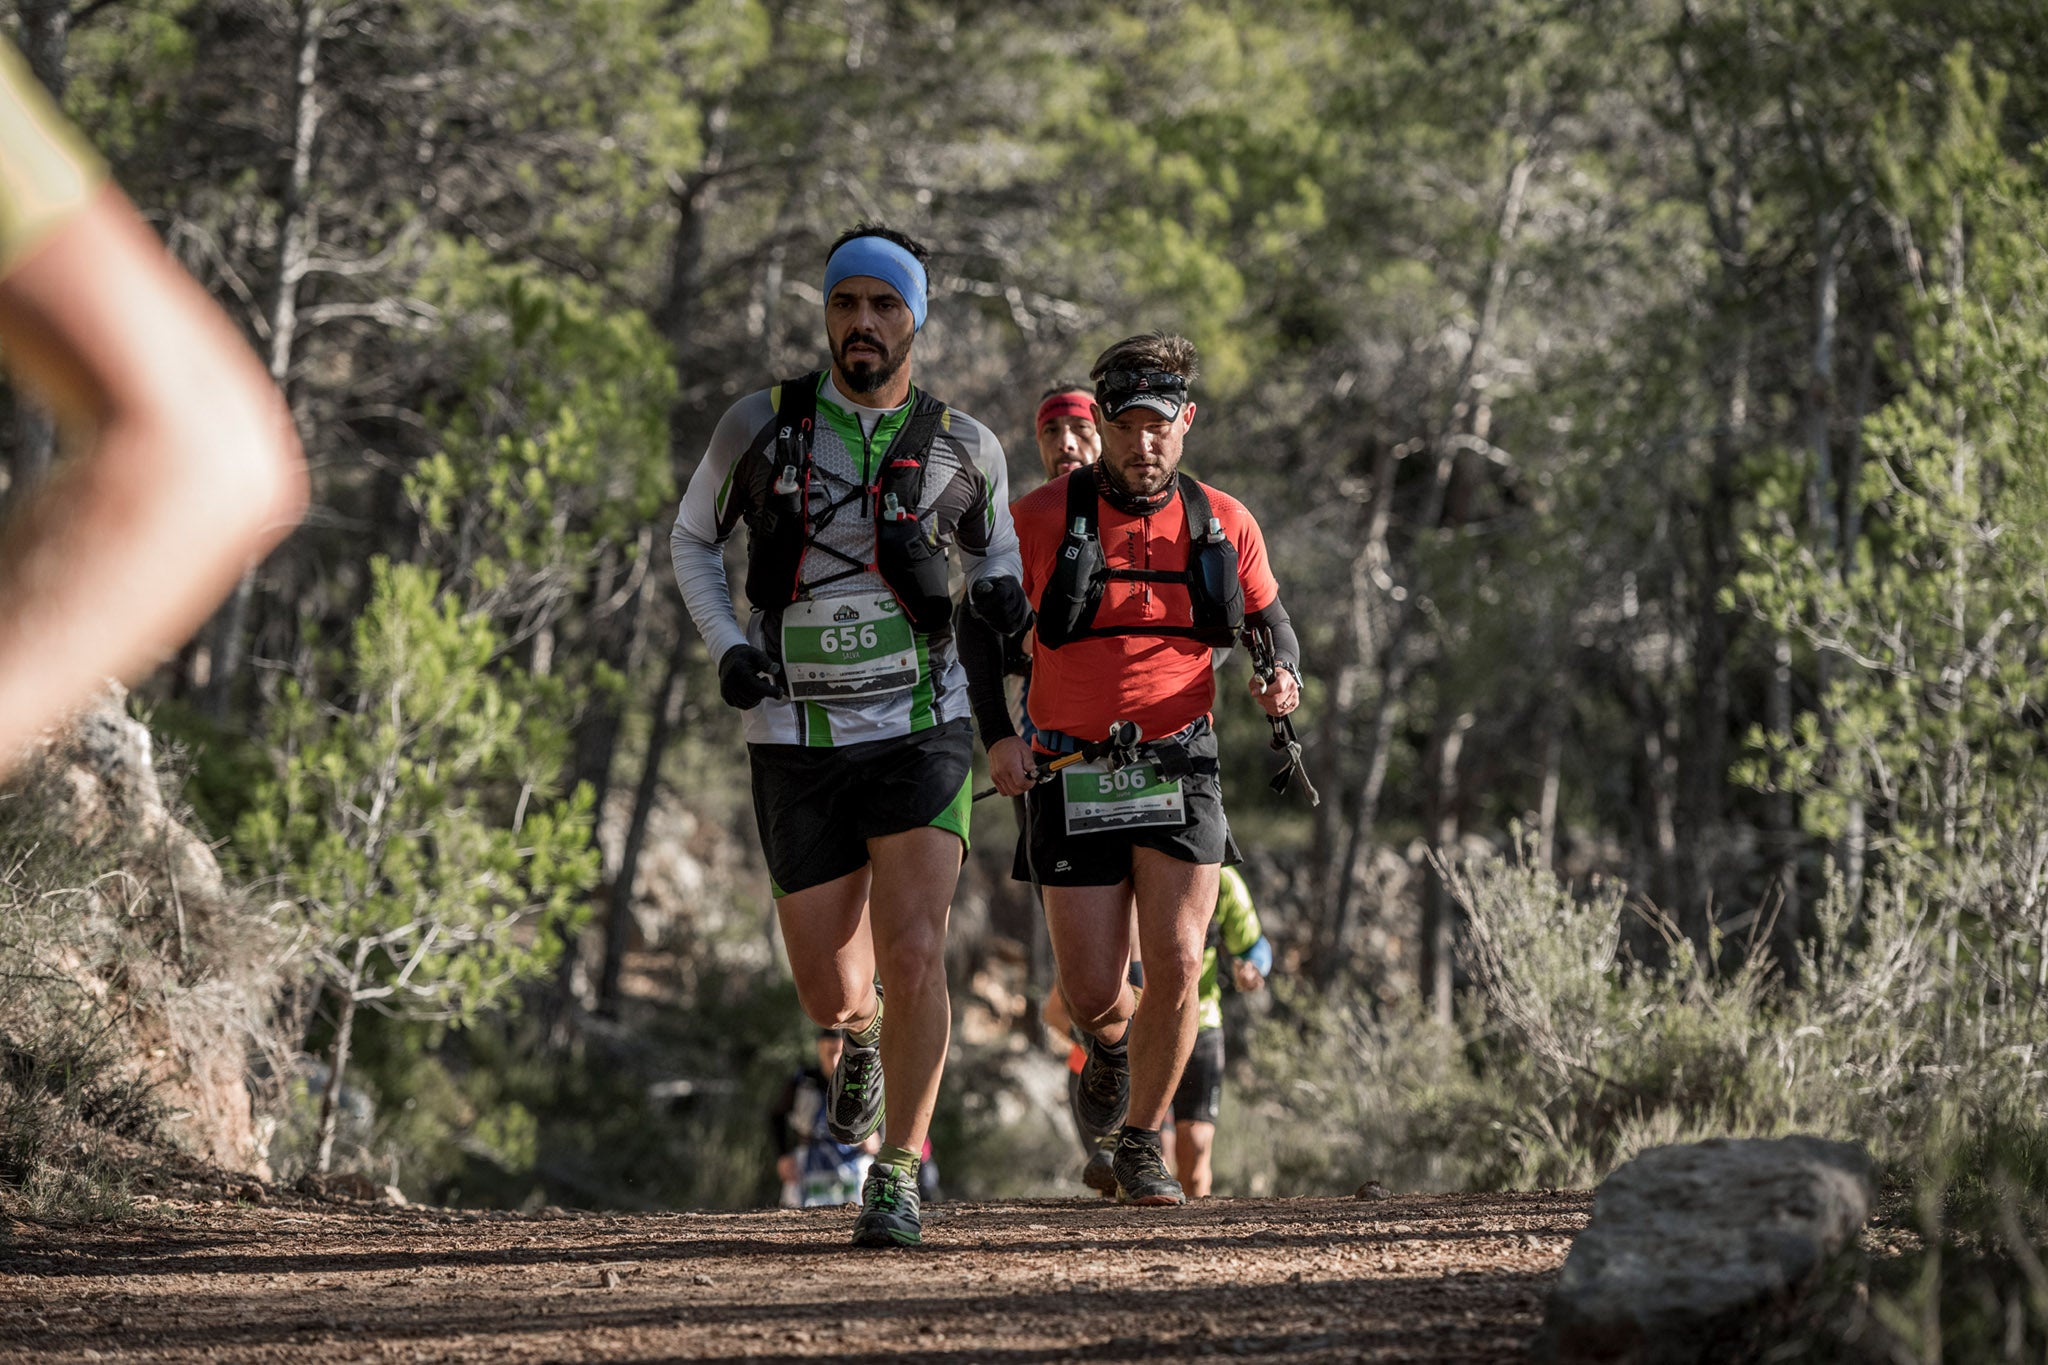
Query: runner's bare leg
1175,902
914,874
1193,1143
1090,928
831,953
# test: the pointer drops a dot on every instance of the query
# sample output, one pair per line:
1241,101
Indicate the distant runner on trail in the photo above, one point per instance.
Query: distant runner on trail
852,484
1136,572
1198,1099
182,467
815,1168
1067,439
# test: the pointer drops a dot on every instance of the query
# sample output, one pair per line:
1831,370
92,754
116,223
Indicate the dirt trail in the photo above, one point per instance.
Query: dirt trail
1408,1278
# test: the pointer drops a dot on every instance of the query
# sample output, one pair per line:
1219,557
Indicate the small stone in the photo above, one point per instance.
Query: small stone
701,1279
1372,1189
611,1279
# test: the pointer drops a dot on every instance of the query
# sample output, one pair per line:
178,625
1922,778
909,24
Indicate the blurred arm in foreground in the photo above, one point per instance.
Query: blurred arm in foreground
183,465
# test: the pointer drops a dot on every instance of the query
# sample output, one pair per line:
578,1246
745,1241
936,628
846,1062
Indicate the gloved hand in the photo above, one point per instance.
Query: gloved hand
1002,604
747,677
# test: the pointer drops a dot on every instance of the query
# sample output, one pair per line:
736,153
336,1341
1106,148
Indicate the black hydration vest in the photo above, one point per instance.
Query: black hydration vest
775,484
1081,573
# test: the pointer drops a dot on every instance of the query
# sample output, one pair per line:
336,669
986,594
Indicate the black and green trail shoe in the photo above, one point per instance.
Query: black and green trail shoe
853,1094
889,1212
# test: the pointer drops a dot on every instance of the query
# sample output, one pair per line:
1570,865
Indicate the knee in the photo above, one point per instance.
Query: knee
833,1000
1094,1007
913,955
1174,972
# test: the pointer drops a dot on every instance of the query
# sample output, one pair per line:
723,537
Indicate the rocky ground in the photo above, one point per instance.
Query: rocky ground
220,1278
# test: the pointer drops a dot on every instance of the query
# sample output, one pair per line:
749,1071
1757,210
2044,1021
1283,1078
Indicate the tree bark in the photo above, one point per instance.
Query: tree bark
1853,850
1552,780
1727,198
1373,643
223,669
330,1095
668,716
1439,912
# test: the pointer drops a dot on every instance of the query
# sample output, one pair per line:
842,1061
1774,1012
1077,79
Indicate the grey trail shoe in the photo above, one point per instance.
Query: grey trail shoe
1141,1175
853,1094
1103,1094
889,1211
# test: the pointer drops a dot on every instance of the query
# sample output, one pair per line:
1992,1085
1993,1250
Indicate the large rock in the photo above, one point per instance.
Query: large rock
1707,1251
191,1008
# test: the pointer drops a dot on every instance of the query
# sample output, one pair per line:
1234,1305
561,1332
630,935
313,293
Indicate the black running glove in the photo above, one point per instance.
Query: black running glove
747,677
1001,602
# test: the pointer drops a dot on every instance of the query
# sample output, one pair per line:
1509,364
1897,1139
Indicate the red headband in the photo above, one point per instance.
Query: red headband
1066,403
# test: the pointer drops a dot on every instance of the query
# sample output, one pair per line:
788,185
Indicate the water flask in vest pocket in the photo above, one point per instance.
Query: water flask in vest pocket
1067,606
1216,595
912,564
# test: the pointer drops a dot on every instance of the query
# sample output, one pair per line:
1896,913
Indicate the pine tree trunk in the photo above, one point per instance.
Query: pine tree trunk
1853,851
330,1097
228,637
1553,780
1376,642
668,715
1439,912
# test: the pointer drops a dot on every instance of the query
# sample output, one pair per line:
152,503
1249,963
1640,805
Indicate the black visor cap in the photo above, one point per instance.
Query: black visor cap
1162,391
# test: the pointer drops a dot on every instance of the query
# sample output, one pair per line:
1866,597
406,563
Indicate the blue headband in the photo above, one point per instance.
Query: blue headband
881,259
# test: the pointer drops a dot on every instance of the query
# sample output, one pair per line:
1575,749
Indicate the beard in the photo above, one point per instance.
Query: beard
865,375
1140,483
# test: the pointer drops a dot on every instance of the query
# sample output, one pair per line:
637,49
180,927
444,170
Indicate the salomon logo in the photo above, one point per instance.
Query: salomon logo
1073,552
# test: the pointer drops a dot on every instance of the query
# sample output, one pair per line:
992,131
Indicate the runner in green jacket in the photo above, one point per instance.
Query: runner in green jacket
1199,1097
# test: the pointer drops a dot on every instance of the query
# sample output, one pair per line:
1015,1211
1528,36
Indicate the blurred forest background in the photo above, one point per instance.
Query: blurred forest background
1636,395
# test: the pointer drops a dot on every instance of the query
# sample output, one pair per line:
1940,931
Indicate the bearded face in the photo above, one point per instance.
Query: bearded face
870,329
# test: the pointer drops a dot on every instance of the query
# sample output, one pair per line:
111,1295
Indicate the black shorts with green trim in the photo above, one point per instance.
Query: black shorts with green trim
816,808
1199,1097
1049,856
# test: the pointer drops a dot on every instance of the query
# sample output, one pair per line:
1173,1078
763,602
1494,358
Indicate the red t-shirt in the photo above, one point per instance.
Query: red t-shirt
1161,682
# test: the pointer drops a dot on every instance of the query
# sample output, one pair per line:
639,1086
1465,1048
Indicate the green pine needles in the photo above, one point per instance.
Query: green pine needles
416,825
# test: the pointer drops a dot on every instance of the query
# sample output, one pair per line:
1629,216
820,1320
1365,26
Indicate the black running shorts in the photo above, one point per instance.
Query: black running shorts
1199,1097
817,808
1049,856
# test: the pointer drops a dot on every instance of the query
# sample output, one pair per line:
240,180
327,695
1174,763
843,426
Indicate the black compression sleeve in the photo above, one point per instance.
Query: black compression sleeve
1286,645
981,654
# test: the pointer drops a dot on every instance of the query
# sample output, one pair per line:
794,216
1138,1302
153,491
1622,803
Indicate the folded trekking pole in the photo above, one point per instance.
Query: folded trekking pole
1120,747
1258,642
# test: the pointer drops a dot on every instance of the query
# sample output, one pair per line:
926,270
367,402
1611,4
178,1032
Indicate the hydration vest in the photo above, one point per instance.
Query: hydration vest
1081,573
775,483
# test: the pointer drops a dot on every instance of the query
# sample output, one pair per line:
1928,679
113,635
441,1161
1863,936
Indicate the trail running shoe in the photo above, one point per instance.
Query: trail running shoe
1141,1176
1103,1095
853,1095
889,1212
1100,1173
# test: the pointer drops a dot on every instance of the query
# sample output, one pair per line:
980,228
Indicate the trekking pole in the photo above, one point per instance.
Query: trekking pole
1259,644
1120,747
